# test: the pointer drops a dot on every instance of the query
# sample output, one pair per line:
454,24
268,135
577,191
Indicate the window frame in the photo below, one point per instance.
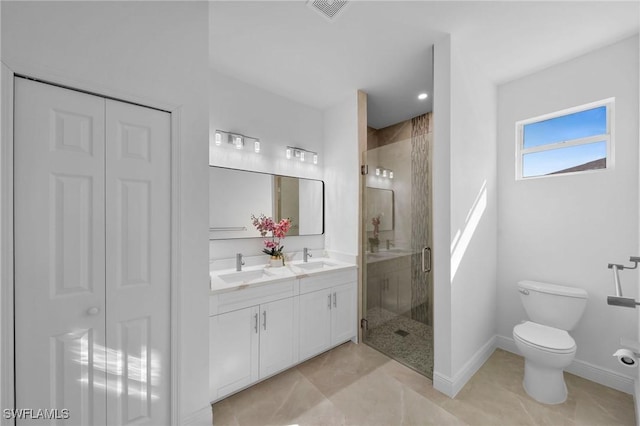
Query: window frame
608,138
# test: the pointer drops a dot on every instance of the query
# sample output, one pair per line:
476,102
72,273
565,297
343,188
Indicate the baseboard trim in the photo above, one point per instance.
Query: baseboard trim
636,395
583,369
202,417
451,387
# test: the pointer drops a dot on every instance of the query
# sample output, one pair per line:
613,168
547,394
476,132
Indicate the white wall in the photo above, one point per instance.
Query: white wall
473,209
441,216
236,106
150,52
342,178
566,229
465,215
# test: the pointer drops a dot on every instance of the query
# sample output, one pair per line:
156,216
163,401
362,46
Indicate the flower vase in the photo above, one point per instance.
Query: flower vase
374,245
276,262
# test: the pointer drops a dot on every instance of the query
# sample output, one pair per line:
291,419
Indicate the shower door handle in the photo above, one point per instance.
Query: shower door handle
426,259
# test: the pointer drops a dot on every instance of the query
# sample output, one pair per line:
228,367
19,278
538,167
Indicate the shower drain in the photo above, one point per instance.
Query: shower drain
401,333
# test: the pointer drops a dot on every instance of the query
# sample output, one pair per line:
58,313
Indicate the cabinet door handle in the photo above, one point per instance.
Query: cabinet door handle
335,300
264,319
255,327
426,267
329,305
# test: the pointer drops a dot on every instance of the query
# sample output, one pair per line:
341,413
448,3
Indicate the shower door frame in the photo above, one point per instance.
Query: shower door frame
362,263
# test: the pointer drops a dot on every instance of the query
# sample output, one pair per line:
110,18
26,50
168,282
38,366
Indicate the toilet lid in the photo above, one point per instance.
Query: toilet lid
547,338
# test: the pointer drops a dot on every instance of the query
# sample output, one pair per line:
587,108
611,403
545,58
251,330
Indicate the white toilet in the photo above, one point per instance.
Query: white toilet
544,342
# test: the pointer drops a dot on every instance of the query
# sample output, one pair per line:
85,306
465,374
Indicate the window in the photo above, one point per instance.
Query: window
571,141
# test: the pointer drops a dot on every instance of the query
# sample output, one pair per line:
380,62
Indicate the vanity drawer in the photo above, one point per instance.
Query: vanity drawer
327,280
248,296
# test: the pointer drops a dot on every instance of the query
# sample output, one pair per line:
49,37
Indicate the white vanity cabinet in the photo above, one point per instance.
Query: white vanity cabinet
247,344
328,311
390,284
233,341
259,328
278,349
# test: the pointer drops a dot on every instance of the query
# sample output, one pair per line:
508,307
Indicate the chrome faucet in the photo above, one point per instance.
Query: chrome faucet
306,255
239,262
390,244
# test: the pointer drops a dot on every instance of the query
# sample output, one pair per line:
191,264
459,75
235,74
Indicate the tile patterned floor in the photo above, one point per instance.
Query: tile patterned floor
414,349
357,385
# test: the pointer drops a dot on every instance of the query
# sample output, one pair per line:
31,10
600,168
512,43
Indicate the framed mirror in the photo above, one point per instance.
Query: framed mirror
379,204
234,195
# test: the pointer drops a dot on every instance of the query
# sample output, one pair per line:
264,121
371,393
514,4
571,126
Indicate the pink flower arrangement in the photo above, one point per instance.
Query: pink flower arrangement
278,230
376,226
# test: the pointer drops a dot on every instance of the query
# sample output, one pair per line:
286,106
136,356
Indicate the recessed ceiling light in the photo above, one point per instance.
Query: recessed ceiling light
422,96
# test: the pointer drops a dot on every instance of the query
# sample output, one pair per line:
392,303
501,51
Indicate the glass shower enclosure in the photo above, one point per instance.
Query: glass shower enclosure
398,283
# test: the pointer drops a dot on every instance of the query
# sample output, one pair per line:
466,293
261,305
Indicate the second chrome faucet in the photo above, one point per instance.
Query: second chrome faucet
239,262
306,255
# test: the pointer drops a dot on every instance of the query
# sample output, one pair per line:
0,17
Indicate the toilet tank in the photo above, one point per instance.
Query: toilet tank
553,305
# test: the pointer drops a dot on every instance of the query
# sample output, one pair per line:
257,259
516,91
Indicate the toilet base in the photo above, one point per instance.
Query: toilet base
544,384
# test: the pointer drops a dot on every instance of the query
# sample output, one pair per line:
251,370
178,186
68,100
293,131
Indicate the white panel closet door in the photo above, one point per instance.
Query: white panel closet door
59,251
92,247
138,183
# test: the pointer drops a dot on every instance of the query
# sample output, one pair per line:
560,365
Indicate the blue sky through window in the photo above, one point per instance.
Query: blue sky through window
578,125
571,126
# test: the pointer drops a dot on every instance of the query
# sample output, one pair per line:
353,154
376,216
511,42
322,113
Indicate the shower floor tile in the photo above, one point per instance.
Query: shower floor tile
407,341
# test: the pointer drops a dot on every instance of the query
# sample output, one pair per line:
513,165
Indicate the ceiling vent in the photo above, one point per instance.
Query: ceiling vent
329,9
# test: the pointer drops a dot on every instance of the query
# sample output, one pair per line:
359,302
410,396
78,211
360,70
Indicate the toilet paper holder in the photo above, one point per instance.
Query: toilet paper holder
619,299
629,354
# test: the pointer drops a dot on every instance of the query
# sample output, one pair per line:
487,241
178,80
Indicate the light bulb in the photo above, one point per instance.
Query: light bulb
301,155
377,171
384,173
315,158
288,153
256,146
238,142
422,96
218,138
390,174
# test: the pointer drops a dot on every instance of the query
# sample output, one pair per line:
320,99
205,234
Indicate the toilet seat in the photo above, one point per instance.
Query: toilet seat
545,338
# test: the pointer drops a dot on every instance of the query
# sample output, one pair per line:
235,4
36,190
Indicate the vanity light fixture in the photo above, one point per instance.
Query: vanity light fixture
385,173
301,154
236,139
238,142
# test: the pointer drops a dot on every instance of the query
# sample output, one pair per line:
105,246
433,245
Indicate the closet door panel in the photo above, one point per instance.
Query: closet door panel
138,228
59,251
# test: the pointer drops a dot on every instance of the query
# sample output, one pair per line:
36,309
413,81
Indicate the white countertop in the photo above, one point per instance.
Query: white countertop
386,254
229,279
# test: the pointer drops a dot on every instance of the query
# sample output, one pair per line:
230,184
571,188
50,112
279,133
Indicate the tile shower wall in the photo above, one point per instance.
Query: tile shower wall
421,141
394,147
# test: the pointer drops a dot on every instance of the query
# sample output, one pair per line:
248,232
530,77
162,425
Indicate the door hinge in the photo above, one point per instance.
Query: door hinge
364,324
364,169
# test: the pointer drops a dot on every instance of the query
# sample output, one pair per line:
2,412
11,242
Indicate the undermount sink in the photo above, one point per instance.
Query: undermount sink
242,276
320,264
